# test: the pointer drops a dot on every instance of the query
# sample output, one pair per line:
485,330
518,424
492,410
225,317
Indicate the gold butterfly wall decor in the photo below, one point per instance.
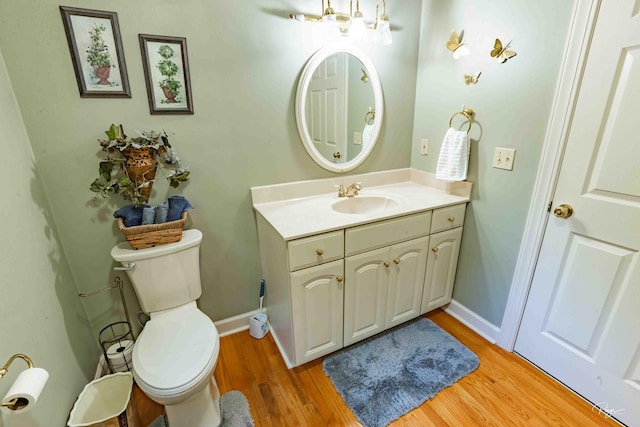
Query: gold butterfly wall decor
472,79
456,46
502,53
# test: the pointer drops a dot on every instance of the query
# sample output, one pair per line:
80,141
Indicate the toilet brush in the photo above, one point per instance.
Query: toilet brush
261,293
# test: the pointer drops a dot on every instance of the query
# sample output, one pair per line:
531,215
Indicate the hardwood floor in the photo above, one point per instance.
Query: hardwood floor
504,391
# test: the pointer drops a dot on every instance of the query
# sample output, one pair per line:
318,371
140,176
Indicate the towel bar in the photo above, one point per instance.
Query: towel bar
468,113
370,117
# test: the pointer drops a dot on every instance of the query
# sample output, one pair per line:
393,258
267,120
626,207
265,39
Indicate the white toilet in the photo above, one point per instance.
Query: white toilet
176,352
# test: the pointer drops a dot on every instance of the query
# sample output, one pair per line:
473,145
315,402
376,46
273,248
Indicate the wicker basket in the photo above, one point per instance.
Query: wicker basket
141,165
148,236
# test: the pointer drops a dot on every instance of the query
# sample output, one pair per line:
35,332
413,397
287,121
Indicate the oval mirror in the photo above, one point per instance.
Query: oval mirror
339,107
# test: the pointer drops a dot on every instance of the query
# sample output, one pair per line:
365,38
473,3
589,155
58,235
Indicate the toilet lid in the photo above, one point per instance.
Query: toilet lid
175,348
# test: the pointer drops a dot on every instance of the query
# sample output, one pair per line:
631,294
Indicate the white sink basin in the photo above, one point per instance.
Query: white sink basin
364,204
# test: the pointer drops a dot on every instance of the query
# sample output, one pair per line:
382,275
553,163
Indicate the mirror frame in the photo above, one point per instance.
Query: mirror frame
300,106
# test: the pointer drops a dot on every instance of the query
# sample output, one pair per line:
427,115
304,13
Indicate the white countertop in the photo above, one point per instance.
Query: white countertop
311,214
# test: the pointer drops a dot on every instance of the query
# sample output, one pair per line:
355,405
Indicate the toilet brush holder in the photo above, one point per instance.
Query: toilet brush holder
258,326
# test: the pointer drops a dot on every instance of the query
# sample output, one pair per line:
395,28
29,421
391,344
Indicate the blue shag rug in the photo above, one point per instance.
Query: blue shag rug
388,375
234,409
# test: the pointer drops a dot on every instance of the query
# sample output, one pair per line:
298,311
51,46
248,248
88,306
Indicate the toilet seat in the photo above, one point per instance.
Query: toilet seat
175,351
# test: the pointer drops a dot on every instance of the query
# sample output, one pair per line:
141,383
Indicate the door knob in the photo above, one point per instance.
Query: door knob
337,155
563,211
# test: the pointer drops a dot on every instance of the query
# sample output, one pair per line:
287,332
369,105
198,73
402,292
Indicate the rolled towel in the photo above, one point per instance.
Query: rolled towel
161,213
131,215
177,206
148,215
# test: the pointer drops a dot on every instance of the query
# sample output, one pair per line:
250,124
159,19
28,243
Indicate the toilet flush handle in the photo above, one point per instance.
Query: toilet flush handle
128,267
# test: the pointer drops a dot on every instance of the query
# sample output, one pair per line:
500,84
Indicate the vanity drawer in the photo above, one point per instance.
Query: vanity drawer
314,250
447,218
384,233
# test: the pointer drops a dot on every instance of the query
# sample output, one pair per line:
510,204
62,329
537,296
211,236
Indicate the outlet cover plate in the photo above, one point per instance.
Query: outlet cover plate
357,138
503,158
424,146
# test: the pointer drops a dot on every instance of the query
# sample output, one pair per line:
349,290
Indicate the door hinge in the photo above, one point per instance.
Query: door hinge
549,206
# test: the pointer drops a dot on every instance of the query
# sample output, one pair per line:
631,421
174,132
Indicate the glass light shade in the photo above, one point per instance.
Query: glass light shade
383,33
331,29
357,27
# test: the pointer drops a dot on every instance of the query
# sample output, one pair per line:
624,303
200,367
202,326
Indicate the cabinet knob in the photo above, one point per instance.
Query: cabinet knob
339,279
397,261
451,219
386,264
319,252
435,250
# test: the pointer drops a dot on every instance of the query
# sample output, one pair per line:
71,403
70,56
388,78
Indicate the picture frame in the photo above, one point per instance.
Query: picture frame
166,72
96,52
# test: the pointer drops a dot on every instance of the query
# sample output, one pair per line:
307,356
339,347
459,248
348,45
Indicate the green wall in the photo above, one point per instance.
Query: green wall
245,61
40,311
512,102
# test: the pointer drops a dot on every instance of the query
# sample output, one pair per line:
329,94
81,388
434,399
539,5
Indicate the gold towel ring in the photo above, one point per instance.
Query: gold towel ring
370,117
468,113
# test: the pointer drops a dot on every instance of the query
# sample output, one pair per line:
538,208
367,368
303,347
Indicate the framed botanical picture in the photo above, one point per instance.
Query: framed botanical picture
96,52
166,71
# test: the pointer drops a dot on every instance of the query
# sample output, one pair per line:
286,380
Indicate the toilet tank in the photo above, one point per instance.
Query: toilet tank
165,276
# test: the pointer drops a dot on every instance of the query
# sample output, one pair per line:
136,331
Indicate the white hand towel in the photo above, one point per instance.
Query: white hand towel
367,133
454,156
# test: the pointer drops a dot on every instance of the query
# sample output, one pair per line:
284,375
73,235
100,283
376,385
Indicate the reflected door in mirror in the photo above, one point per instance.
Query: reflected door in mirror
326,108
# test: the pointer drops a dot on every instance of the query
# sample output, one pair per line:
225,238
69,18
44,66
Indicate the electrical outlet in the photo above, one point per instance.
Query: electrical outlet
503,158
424,146
357,138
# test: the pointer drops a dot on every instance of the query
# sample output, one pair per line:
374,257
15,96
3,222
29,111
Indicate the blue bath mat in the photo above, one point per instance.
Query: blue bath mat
386,376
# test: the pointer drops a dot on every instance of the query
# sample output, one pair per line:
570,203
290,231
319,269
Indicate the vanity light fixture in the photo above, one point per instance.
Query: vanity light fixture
352,24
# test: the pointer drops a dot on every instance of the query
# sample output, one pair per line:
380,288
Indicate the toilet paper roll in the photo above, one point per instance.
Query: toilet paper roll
26,388
120,354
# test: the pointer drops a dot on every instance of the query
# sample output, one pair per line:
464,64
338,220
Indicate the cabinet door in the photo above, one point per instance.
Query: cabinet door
365,294
316,304
441,269
408,264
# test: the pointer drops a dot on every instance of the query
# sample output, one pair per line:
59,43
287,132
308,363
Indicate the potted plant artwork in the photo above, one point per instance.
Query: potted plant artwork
98,55
170,86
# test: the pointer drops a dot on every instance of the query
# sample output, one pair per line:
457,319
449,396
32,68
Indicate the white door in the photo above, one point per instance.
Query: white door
408,263
366,279
582,318
326,107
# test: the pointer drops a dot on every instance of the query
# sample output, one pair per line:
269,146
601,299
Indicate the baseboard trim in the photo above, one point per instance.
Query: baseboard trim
234,324
478,324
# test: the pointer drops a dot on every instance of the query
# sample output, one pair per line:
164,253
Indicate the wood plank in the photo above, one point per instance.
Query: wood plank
504,390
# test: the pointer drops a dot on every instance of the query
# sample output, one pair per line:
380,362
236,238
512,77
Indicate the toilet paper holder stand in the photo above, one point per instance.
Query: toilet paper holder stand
117,332
14,404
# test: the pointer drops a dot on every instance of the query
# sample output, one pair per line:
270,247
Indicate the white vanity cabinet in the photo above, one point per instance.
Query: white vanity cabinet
330,290
316,310
383,287
443,256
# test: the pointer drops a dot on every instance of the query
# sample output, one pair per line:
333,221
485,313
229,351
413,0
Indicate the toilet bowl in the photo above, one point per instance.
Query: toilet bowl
176,353
173,362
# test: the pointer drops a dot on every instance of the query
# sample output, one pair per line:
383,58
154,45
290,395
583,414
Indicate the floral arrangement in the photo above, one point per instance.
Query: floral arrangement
119,170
